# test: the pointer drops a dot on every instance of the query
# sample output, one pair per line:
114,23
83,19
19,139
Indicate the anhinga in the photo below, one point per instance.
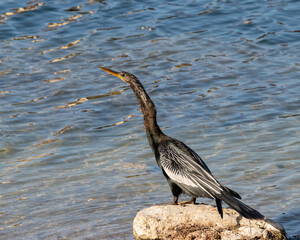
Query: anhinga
184,170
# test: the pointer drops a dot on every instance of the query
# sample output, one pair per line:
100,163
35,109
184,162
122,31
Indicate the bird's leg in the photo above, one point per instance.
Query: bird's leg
192,201
176,191
175,200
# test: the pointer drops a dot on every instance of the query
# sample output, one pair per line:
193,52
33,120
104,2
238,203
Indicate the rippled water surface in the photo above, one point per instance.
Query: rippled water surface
75,162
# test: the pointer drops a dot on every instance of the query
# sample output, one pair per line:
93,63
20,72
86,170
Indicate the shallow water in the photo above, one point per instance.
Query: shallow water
75,162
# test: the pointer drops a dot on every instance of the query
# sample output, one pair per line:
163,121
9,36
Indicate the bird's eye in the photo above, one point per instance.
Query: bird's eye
122,74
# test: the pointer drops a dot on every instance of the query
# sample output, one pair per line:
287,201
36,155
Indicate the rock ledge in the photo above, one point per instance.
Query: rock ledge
199,222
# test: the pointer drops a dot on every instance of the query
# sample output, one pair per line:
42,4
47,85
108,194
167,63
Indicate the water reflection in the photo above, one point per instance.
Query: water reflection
29,7
82,100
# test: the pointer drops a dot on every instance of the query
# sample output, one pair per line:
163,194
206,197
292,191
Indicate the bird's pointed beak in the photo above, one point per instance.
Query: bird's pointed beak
112,72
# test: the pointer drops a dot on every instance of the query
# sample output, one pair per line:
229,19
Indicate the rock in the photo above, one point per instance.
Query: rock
201,222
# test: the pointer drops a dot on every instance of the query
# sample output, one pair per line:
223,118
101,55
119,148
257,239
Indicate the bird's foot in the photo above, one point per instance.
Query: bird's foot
165,204
185,202
192,201
182,204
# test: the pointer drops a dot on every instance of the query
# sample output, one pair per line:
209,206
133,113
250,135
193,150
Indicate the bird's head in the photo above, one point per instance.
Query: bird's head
124,76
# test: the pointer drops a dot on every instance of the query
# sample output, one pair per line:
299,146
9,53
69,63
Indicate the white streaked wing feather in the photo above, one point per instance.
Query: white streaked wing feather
183,168
179,178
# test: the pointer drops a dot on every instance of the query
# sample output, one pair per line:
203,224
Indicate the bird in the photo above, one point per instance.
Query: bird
183,168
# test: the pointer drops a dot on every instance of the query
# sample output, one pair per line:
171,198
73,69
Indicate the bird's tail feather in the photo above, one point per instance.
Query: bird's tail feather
231,192
241,207
219,206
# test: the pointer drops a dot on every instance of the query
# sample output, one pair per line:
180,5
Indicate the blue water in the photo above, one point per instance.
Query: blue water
75,162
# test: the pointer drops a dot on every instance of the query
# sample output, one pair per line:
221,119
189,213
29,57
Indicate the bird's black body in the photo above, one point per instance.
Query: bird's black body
184,170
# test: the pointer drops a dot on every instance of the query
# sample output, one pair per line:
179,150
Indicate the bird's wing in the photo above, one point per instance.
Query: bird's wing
187,170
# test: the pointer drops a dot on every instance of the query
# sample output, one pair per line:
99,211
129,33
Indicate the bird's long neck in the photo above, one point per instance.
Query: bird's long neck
149,112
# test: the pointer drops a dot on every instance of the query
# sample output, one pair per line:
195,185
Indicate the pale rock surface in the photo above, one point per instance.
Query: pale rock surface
201,222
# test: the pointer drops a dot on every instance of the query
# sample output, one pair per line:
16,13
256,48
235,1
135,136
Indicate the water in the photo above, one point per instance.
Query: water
75,162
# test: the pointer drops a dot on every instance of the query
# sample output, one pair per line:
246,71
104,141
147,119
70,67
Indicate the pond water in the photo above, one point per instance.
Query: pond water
75,162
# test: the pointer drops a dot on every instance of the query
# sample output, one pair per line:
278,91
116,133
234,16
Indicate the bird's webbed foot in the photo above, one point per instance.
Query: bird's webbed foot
174,202
192,201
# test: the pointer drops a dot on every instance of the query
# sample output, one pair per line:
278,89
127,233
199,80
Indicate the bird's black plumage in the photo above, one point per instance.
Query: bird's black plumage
183,168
